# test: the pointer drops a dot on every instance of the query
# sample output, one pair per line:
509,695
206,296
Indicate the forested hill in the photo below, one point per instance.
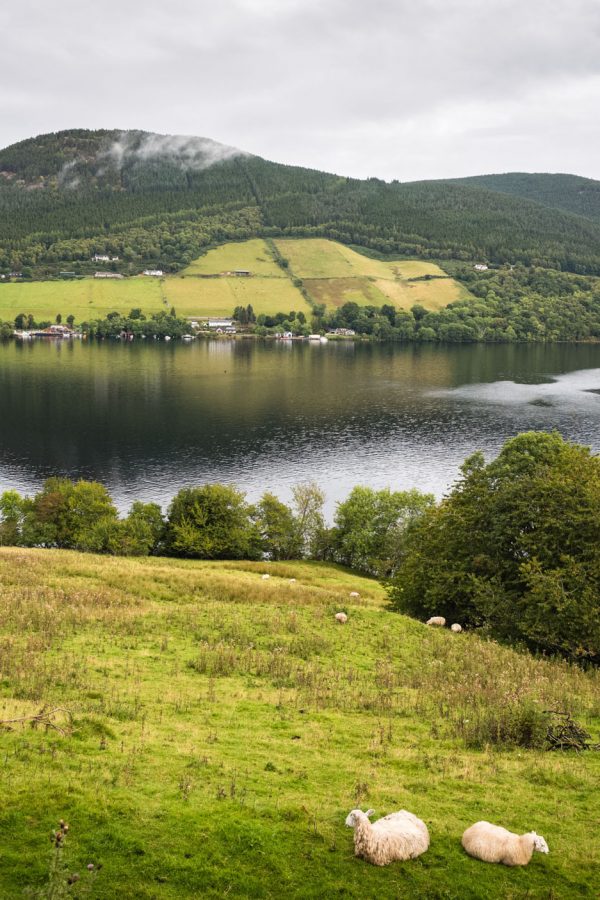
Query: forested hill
568,192
161,200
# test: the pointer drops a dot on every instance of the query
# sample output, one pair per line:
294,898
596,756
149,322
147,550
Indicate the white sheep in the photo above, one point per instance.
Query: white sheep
265,576
494,844
292,581
436,620
341,617
354,594
456,628
396,837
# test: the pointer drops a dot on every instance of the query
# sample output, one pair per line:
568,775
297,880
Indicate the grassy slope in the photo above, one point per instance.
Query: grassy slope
225,725
334,274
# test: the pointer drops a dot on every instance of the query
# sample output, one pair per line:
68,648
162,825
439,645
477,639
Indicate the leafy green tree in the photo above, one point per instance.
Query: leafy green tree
370,527
278,529
70,515
140,533
514,547
13,514
308,507
211,522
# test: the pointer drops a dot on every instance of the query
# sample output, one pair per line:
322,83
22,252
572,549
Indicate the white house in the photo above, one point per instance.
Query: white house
107,275
480,267
220,323
156,273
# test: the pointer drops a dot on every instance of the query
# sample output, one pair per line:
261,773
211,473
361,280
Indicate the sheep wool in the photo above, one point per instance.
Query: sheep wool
494,844
456,628
265,576
436,620
354,594
394,838
341,617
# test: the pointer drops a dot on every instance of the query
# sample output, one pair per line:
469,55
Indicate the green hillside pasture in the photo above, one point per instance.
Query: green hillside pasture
219,296
223,726
335,274
90,298
93,298
252,255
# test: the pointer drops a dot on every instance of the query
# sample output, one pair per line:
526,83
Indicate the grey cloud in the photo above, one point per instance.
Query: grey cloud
388,88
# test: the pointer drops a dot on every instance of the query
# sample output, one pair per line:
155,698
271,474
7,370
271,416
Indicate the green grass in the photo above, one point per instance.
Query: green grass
269,290
225,725
219,296
335,274
252,255
87,299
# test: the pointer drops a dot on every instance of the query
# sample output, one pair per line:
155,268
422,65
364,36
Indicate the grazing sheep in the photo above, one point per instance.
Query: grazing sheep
292,581
396,837
354,594
436,620
341,617
265,576
456,628
494,844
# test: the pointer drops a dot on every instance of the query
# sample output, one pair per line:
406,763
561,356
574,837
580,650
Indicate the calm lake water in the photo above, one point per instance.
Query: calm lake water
148,419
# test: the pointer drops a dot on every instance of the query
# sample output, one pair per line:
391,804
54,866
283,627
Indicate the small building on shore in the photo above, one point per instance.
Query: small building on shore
108,275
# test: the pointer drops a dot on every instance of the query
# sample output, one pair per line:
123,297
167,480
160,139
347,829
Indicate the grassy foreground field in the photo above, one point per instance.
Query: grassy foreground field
333,274
224,725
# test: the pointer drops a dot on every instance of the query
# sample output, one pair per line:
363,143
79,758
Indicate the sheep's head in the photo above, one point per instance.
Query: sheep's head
539,843
354,816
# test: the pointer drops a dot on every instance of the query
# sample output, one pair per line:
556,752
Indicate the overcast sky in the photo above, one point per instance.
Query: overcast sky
395,89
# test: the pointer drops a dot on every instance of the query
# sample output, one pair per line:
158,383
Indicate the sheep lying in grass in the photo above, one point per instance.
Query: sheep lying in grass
265,576
393,838
436,620
456,628
341,617
494,844
354,594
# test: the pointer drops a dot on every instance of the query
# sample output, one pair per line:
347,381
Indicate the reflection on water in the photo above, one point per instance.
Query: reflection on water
147,420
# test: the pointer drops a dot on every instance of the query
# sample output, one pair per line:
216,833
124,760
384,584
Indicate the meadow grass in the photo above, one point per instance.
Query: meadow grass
219,296
87,299
224,725
335,274
253,255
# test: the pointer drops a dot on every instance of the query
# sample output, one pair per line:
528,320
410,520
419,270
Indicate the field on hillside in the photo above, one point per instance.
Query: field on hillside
219,296
335,274
223,726
252,255
87,299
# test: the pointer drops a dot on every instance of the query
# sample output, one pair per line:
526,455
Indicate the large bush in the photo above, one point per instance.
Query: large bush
514,547
211,522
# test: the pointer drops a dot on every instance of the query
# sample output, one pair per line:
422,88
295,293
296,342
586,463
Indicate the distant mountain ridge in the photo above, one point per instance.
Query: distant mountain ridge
160,200
571,193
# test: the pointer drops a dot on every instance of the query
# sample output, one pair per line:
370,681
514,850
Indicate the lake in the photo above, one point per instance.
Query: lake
148,419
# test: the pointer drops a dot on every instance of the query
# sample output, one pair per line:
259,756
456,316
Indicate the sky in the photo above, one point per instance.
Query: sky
385,88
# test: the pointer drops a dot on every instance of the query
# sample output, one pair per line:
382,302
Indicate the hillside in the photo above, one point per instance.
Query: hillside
161,200
331,273
567,192
224,725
